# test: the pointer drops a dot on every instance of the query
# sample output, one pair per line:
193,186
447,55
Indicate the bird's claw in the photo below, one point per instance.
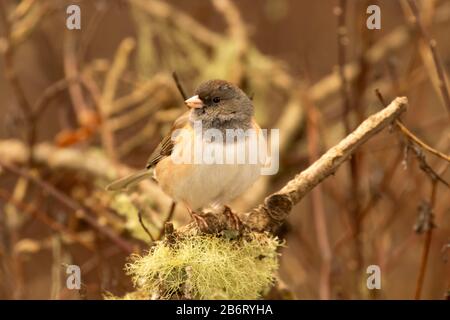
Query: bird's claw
200,221
236,223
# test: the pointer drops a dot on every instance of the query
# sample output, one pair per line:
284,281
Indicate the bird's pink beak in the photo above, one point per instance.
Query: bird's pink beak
194,102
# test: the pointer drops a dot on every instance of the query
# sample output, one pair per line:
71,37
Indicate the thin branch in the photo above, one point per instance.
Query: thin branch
24,27
341,12
114,74
14,81
157,84
141,221
237,32
420,143
140,138
342,41
169,217
374,199
179,86
21,10
109,92
425,167
71,204
44,218
442,84
425,223
318,206
165,11
427,227
411,136
50,93
71,71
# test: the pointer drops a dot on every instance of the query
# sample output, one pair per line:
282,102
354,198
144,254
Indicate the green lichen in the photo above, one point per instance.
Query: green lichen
123,205
207,267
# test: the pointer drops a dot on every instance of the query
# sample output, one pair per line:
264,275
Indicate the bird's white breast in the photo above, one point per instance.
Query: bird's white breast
214,184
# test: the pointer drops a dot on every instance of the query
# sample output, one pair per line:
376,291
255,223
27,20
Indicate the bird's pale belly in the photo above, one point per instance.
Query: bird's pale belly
205,185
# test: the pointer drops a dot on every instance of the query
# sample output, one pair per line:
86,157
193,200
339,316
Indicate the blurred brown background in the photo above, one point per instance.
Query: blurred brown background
106,93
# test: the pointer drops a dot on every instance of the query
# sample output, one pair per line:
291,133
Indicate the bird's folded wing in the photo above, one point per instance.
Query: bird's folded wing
165,147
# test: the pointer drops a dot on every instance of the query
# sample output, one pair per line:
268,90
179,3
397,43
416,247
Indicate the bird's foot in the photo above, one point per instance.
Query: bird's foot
236,223
200,221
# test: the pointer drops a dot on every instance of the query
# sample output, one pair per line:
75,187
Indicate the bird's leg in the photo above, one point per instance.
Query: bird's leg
199,220
235,221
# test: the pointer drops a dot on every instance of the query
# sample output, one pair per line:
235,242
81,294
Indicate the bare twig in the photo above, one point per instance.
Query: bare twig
370,204
55,225
109,91
411,136
427,227
179,86
50,93
141,221
425,210
113,76
71,71
341,12
342,40
168,218
72,204
425,167
23,27
14,81
163,10
22,9
237,31
140,138
90,32
318,206
151,87
442,84
420,143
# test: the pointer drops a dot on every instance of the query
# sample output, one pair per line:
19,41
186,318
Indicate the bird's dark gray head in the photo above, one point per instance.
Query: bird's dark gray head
222,105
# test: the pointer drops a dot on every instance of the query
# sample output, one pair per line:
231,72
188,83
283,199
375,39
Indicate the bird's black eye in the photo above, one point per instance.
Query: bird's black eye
216,99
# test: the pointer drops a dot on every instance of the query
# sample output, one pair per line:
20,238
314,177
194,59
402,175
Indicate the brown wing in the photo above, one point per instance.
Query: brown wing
165,147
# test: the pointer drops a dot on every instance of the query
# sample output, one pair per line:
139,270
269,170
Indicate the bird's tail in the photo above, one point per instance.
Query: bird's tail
129,181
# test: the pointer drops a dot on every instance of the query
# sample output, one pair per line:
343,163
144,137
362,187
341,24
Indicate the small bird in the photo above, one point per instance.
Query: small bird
219,106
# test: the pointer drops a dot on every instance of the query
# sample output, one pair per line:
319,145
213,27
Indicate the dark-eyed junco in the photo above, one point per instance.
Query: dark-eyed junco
218,108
